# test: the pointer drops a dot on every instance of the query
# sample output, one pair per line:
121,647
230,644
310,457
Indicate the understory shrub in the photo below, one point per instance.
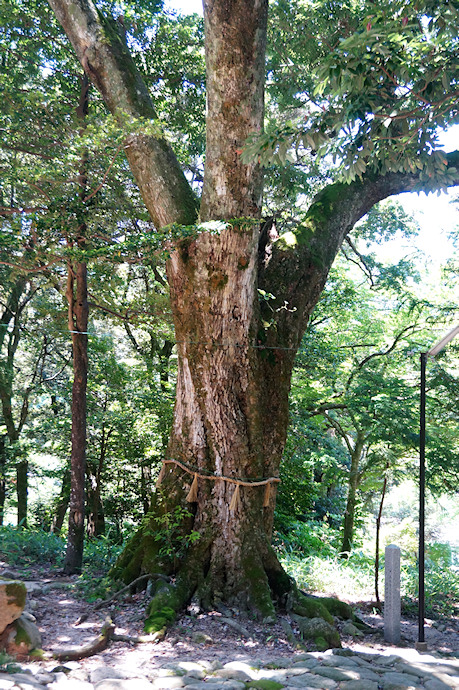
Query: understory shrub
23,547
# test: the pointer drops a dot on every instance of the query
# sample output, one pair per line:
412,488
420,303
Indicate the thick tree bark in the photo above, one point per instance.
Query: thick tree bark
218,424
224,381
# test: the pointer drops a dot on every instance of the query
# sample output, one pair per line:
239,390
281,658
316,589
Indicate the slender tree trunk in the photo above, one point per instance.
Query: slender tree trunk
164,356
77,297
3,464
96,518
145,485
9,339
22,486
62,504
349,514
78,308
378,532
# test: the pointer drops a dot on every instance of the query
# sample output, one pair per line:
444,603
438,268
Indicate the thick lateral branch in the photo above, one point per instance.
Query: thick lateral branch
106,60
296,274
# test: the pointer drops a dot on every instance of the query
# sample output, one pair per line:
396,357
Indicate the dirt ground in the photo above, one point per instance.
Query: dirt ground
66,620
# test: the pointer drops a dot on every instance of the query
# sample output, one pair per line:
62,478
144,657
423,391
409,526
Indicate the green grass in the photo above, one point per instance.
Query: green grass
319,570
349,580
22,549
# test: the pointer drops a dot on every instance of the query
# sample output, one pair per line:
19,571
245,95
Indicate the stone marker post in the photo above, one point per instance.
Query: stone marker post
392,608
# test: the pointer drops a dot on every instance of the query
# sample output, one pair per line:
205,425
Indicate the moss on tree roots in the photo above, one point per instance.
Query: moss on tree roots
263,588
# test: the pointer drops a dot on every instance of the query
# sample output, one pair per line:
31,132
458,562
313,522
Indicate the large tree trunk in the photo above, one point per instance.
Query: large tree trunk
225,383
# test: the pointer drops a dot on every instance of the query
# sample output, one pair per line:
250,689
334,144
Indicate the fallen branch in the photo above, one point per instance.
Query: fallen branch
94,647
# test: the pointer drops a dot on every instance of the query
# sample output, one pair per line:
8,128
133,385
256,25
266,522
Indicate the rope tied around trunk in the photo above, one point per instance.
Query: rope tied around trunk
192,495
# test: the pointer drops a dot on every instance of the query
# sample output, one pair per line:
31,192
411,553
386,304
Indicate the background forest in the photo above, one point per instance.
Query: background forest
68,206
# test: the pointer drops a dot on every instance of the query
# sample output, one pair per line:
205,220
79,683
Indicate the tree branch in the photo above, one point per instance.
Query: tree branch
108,63
298,269
337,426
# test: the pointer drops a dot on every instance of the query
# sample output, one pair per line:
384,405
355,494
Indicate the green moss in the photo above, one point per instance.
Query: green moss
319,631
326,201
321,644
37,654
310,607
16,593
154,624
337,608
259,590
166,602
21,636
264,684
159,618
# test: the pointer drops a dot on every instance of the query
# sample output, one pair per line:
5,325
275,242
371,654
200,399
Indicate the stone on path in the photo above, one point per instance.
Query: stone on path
400,681
105,672
359,685
12,601
125,684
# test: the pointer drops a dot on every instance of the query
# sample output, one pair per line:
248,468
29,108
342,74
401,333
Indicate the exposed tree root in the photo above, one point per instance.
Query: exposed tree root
290,635
236,626
168,600
253,580
137,581
94,647
322,633
141,639
134,583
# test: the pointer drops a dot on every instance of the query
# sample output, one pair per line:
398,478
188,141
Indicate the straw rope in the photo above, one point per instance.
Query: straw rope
192,496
